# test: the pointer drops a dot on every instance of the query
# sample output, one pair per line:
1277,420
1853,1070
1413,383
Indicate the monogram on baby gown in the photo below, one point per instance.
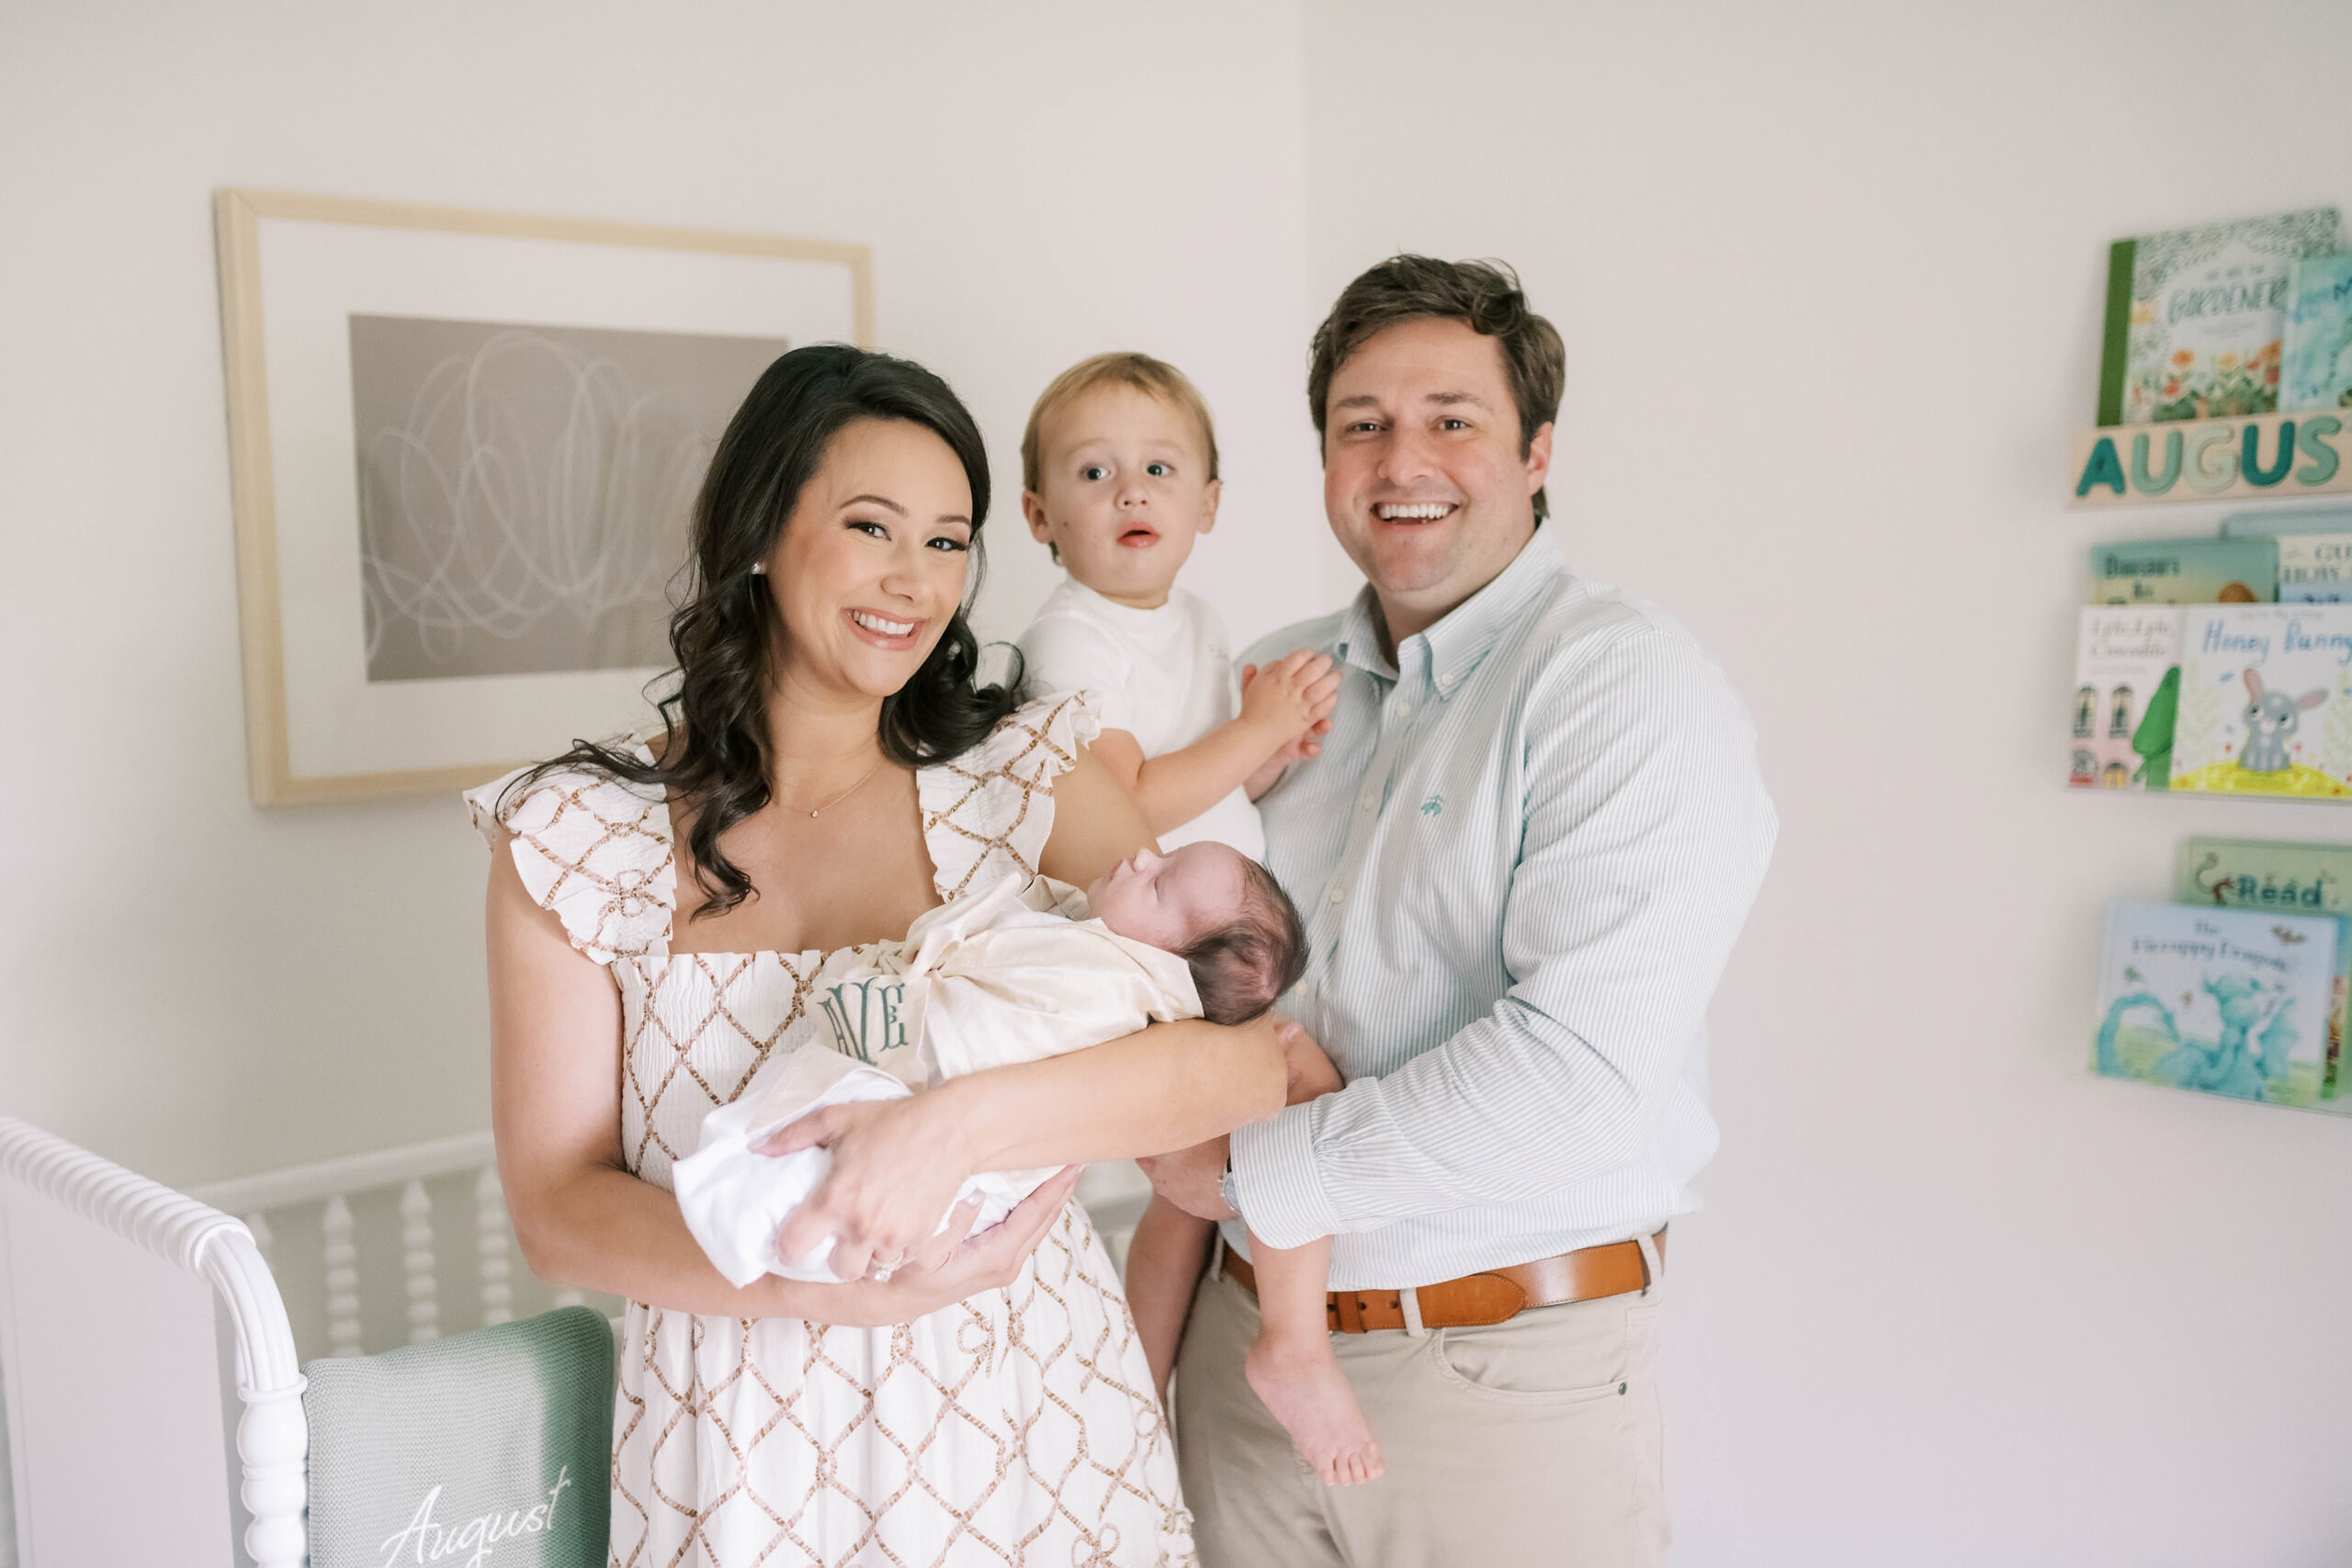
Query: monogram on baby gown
1017,1427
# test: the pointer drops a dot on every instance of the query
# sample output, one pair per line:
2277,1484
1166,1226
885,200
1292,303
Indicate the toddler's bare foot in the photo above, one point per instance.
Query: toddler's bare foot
1309,1396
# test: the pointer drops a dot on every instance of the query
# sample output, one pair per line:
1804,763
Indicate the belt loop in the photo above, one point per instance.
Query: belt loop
1652,1269
1411,1301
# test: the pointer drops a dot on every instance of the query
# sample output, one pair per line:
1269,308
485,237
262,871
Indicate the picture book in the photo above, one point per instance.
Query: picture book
2265,701
2252,874
2194,316
2314,568
2275,523
2315,364
2186,572
2296,879
2227,1001
2125,682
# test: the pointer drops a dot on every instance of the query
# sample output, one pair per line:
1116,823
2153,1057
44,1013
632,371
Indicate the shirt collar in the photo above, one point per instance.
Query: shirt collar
1112,610
1452,647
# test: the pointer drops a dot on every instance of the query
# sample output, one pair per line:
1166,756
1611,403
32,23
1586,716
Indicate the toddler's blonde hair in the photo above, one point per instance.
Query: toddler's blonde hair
1153,378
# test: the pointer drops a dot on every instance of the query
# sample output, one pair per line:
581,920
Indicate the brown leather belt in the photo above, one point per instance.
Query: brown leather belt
1496,1295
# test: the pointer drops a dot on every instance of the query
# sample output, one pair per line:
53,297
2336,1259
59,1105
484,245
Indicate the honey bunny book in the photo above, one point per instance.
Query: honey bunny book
2266,702
2232,1002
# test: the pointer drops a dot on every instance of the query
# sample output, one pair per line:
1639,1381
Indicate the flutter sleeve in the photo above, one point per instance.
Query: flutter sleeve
987,814
593,851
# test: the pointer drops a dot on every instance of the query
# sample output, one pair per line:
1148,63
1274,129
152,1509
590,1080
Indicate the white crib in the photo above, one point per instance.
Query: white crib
151,1340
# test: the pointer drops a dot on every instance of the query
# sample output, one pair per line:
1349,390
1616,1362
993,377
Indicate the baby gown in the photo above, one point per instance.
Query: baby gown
1016,1427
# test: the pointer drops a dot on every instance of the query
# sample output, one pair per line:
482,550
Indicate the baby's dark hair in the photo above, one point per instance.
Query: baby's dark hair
1242,967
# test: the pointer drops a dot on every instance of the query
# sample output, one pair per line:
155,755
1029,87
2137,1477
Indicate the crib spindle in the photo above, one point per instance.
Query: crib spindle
342,1278
424,1289
565,1297
491,1235
273,1442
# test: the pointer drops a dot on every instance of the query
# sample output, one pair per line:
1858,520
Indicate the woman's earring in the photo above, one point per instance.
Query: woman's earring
759,569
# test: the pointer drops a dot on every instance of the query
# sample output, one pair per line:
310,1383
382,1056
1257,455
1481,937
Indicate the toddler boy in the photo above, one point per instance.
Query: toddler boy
1119,475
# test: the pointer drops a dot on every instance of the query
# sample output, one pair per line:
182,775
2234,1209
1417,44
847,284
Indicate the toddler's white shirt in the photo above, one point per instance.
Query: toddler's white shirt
1165,676
1017,972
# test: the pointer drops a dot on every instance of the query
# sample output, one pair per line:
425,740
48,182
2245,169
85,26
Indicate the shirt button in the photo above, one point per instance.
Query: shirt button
1371,800
1338,894
1404,709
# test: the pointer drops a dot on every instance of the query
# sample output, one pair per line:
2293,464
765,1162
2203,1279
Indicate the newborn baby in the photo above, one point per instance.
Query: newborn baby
1027,969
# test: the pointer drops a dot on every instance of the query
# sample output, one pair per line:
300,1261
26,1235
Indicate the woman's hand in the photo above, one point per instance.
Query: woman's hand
1193,1179
897,1167
963,1267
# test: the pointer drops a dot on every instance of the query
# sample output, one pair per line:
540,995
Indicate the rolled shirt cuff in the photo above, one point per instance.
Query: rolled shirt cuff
1281,1192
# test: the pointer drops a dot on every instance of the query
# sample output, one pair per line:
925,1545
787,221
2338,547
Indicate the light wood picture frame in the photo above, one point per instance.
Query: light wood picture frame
333,309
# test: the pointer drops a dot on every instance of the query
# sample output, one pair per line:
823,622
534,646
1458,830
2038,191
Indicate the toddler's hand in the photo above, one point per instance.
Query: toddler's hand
1290,700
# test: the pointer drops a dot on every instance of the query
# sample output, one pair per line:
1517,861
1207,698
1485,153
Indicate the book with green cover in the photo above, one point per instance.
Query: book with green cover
2126,678
2225,1001
2186,572
2258,873
2195,316
2315,365
2303,879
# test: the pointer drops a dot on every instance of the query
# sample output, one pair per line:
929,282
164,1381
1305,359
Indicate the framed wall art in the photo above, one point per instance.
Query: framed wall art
464,446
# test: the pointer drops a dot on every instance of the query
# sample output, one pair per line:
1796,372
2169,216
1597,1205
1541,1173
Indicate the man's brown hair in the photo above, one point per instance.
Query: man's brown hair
1485,296
1153,378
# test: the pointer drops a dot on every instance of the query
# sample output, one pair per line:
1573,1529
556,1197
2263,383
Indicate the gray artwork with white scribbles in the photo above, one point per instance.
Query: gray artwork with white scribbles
525,491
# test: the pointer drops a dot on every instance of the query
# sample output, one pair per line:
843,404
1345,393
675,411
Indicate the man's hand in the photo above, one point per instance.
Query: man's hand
1190,1179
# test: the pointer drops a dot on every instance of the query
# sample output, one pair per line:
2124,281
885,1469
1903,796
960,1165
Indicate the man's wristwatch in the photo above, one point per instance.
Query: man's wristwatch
1225,1188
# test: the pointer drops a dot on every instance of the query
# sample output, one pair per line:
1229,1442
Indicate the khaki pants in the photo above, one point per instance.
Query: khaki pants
1532,1441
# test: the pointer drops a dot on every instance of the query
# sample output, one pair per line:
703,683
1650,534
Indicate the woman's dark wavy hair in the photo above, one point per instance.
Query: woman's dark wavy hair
714,753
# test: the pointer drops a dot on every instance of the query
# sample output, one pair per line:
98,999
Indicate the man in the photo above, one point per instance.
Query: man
1524,853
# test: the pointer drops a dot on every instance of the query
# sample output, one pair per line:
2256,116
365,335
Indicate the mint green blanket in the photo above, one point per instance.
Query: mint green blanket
489,1449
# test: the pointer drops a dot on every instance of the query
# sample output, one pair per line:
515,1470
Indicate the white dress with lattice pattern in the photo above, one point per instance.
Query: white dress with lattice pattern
1018,1427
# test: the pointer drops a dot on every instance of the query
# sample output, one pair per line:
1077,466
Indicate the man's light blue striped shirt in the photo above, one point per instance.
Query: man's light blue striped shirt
1523,858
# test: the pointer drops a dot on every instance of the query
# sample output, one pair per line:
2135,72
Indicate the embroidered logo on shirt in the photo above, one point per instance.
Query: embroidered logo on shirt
1433,807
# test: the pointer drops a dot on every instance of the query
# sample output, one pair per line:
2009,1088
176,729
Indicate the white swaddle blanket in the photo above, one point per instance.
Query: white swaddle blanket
1017,972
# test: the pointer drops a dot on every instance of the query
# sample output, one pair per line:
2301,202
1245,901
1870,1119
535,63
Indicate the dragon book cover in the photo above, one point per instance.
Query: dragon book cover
2233,1002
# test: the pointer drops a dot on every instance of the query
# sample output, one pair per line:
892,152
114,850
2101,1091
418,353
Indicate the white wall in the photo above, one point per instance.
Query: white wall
1830,280
201,989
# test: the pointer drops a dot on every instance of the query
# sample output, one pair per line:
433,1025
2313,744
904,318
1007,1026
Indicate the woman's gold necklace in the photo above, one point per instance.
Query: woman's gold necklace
852,789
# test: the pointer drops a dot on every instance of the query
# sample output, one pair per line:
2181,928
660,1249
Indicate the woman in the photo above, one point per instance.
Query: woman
829,769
